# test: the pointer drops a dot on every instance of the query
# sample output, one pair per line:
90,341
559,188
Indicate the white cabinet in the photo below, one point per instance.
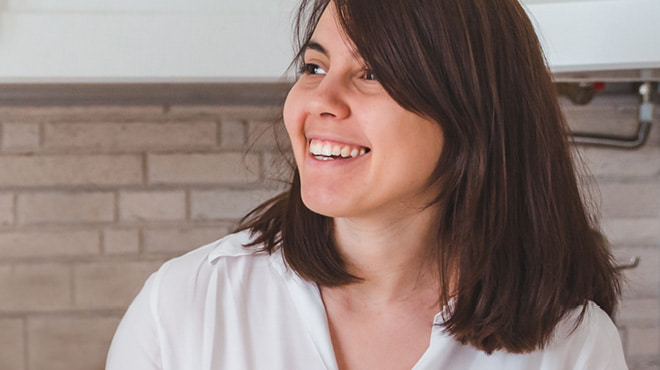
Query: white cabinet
250,40
144,40
596,35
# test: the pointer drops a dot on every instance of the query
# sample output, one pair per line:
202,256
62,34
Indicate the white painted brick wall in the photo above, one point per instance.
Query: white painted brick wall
70,207
18,137
107,285
36,243
134,136
69,170
629,194
12,349
168,240
121,241
94,198
6,209
152,206
35,287
203,168
226,204
69,343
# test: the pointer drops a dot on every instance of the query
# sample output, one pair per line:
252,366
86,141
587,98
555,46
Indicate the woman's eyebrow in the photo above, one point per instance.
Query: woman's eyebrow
313,45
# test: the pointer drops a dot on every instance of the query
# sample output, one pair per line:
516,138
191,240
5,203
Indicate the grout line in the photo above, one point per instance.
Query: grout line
14,209
72,285
26,344
218,136
246,134
261,163
42,135
141,246
145,168
102,238
188,204
116,204
2,136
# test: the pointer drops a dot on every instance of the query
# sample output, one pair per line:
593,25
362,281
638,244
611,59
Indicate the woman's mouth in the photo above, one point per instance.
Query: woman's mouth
327,150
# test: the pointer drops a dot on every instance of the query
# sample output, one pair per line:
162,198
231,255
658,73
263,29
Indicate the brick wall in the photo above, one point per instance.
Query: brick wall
628,194
94,198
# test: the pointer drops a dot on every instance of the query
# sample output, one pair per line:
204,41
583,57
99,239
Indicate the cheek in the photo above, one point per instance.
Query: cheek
289,113
293,121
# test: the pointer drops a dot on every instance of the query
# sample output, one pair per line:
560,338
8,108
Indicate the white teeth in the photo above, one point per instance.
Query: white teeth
327,150
315,147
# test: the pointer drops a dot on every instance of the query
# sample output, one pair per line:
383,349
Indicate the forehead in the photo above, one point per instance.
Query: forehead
330,35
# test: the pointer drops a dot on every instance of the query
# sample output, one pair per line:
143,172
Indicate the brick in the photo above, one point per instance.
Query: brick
644,280
152,206
70,343
268,135
134,135
603,118
639,311
615,162
261,136
226,111
110,285
628,200
233,135
643,341
6,208
70,170
278,168
222,168
121,241
80,112
623,335
34,287
643,363
181,240
226,204
59,207
20,136
20,244
12,350
617,100
632,231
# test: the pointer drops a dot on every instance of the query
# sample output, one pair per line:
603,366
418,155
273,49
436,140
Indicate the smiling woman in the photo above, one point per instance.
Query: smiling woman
337,105
433,221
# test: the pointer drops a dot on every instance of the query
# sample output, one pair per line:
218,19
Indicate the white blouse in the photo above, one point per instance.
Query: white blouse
224,307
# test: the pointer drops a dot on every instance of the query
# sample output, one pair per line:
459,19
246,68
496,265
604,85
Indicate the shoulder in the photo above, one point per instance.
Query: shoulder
230,249
588,337
179,300
584,323
226,260
229,246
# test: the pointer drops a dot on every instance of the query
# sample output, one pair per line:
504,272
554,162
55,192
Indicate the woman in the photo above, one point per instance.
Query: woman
433,222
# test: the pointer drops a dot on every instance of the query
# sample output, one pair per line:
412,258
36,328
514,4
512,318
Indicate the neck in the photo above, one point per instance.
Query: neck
394,257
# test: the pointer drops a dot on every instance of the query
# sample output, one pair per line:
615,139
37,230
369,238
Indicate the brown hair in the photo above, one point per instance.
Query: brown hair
513,221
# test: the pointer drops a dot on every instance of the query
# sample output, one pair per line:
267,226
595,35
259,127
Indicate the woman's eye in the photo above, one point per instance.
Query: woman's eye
369,75
312,69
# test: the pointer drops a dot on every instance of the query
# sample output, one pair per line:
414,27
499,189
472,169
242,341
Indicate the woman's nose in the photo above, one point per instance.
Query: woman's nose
329,98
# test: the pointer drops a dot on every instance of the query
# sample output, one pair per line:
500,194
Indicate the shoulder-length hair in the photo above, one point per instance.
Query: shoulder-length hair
523,248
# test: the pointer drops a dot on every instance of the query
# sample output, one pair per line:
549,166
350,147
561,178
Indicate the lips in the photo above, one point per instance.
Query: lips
329,150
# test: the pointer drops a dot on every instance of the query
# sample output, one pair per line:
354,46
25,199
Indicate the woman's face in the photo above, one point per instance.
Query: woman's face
358,152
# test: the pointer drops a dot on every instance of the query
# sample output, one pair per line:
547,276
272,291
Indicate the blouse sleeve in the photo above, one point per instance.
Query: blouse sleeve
135,345
601,347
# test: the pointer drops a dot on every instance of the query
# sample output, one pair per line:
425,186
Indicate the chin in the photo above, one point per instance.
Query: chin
324,204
